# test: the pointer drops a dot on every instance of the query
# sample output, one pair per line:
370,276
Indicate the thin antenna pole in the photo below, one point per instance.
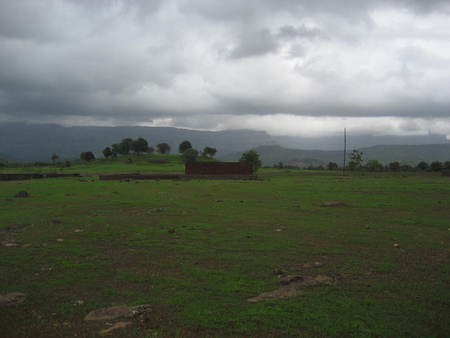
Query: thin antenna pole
345,150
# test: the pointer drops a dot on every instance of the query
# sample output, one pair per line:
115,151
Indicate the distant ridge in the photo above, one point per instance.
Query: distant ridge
37,142
407,154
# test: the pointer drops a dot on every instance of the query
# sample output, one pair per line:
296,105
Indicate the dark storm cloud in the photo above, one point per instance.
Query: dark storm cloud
142,60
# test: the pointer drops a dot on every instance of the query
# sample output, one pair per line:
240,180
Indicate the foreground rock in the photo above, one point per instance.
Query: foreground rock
22,194
334,204
115,312
12,298
118,325
293,285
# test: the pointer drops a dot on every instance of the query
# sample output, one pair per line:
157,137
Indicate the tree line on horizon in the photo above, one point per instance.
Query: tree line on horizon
356,162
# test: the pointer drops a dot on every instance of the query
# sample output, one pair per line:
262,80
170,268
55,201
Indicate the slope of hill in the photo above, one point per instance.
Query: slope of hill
355,141
408,154
28,142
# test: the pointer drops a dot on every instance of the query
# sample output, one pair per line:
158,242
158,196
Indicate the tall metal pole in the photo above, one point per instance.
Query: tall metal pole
345,150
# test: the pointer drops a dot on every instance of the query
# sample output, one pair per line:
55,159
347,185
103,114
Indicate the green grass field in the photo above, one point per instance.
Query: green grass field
195,250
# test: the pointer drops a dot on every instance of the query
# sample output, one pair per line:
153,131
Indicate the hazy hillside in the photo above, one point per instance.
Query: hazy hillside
411,154
355,141
37,142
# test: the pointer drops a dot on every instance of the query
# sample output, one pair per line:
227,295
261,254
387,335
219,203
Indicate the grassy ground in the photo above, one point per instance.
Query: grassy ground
196,250
128,163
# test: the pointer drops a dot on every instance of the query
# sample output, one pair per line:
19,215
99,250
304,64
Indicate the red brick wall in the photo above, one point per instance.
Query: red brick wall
218,168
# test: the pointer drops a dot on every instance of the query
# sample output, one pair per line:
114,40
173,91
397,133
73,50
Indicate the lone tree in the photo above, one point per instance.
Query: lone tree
87,156
107,152
115,148
436,166
139,146
125,146
422,165
209,152
394,166
252,157
356,159
374,165
332,166
190,155
55,157
185,145
163,148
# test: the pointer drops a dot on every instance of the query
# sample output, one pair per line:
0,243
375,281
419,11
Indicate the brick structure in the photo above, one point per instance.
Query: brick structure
219,169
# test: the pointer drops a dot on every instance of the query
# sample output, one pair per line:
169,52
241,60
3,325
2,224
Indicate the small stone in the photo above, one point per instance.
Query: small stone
277,230
290,279
22,194
60,240
118,325
396,245
333,204
159,209
12,298
78,230
79,302
277,272
117,312
10,244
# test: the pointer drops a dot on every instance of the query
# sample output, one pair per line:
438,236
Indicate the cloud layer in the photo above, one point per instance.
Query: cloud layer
226,64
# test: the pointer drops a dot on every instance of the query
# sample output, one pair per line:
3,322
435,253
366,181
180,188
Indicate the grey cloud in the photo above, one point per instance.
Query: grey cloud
256,43
95,59
290,32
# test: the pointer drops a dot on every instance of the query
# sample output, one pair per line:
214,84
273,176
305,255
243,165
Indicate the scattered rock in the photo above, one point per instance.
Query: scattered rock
12,298
79,302
118,325
334,204
114,312
396,245
78,230
277,230
22,194
9,244
15,227
277,272
283,292
312,265
290,279
294,287
60,240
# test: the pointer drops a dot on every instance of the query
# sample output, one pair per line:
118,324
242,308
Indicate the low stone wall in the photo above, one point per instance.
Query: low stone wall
25,176
218,169
140,177
223,177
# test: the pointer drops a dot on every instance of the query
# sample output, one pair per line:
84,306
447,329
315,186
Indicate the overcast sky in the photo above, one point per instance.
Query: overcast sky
295,67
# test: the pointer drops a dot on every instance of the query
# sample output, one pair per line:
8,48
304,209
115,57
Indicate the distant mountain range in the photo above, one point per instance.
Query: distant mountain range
407,154
37,142
355,141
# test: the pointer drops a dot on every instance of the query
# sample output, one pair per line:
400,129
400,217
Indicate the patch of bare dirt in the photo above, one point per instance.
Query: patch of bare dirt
293,285
331,204
12,298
